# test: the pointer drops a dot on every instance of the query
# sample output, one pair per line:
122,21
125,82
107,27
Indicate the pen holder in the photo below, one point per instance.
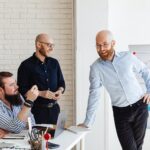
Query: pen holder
35,144
38,144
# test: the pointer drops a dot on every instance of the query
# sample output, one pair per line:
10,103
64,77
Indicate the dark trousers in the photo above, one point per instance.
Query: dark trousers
46,115
131,122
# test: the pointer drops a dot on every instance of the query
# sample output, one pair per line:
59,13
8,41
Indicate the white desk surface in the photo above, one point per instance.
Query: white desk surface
66,140
19,144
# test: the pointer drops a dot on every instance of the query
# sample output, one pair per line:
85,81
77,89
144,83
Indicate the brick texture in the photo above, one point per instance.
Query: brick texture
21,21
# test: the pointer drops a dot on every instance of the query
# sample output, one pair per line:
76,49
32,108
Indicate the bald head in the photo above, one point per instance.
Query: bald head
43,37
104,35
105,44
44,45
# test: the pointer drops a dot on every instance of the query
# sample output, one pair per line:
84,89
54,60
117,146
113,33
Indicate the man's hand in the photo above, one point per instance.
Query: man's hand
33,93
2,133
82,125
47,94
58,94
146,98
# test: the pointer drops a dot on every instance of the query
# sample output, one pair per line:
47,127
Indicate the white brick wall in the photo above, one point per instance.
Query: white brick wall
22,20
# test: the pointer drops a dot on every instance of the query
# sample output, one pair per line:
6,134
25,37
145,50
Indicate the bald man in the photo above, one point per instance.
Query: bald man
45,72
116,71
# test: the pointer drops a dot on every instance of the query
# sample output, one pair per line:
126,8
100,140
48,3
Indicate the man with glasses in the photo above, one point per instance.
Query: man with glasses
117,71
45,72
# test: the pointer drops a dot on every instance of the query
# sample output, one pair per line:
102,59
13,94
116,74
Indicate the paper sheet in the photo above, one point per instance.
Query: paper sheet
78,129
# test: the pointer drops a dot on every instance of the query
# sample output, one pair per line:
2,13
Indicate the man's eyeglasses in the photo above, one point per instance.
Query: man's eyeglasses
105,45
48,44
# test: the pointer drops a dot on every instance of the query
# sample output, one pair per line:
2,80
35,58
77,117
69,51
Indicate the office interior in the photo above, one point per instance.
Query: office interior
73,24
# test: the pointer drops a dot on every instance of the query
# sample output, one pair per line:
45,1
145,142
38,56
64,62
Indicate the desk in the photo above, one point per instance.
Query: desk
67,140
19,144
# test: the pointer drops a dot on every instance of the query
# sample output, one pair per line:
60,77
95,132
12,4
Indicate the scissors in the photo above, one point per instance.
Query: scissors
35,134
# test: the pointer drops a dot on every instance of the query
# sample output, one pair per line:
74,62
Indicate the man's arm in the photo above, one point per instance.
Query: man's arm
61,87
23,79
94,96
52,95
10,124
31,95
144,72
17,124
61,81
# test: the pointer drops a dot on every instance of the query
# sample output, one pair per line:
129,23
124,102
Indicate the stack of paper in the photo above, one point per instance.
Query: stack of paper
22,135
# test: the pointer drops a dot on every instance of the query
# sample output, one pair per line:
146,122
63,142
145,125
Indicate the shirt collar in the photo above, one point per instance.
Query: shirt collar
38,60
3,104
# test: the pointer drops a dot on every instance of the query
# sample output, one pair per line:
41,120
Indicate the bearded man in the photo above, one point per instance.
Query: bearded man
45,72
14,111
117,71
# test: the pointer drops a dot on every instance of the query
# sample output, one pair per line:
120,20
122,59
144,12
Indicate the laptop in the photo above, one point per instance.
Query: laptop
60,126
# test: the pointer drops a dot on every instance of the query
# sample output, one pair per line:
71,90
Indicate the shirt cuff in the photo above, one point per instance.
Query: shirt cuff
88,123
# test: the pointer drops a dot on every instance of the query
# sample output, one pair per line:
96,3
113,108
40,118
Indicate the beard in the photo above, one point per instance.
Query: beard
107,54
43,53
14,99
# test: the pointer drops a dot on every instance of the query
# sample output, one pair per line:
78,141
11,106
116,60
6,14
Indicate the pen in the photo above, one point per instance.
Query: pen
46,130
29,124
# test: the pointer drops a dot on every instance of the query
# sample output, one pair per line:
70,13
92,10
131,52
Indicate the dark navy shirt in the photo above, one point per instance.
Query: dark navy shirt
47,76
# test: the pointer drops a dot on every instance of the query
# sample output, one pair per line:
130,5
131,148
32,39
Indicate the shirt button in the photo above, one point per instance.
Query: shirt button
47,80
45,71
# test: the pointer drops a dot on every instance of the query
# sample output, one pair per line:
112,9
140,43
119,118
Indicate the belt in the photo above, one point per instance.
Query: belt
49,105
134,106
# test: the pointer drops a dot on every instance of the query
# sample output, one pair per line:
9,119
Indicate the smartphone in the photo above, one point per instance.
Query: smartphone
53,145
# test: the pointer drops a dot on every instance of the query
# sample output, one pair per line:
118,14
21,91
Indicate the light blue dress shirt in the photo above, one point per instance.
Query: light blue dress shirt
119,77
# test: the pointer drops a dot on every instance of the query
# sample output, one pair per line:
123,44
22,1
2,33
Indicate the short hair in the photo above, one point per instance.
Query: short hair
4,75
